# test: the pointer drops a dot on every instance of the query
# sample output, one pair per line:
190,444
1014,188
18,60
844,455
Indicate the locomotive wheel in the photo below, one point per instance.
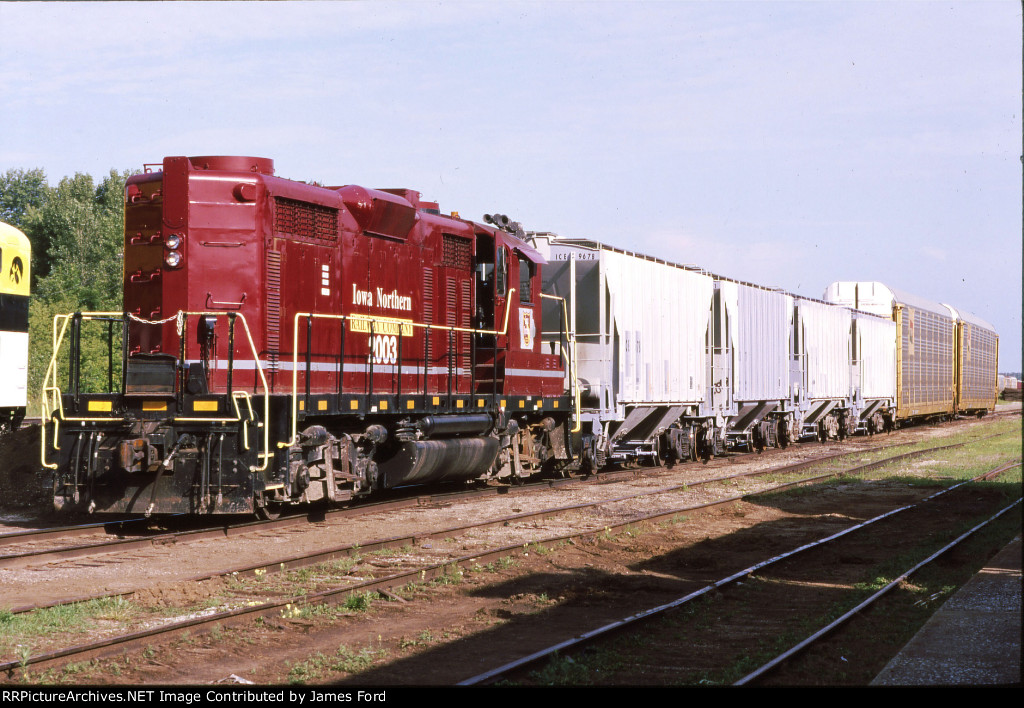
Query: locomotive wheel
268,510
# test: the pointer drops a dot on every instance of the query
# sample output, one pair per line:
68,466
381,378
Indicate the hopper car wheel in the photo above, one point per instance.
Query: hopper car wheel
692,445
588,455
783,433
662,451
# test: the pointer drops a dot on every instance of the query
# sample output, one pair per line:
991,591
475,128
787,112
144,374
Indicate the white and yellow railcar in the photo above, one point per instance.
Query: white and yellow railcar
15,276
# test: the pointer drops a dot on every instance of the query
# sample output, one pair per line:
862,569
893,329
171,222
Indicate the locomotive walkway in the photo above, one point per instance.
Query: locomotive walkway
974,638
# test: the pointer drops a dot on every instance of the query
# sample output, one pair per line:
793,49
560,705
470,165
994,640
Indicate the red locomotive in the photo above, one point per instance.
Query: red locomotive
285,342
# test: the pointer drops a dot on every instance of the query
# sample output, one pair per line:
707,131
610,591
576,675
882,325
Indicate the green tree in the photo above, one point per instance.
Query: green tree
82,225
21,191
22,194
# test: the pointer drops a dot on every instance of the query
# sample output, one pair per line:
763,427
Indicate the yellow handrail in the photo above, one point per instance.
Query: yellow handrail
52,389
367,318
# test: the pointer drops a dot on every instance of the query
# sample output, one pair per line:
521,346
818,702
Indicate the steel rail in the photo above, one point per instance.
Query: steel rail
493,674
869,601
64,531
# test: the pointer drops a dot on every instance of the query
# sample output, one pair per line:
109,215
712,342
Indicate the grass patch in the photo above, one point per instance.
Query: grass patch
19,630
581,669
360,602
450,575
344,661
392,552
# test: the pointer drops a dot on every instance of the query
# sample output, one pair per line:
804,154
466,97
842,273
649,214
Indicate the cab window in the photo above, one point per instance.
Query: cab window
525,279
501,272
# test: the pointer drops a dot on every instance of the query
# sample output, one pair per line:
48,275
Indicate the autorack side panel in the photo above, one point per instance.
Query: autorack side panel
977,361
926,360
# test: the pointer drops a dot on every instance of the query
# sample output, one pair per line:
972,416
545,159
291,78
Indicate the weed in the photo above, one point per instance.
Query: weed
360,602
345,660
452,575
390,552
578,671
70,618
24,654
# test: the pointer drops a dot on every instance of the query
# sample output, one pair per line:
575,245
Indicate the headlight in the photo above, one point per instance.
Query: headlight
173,241
173,259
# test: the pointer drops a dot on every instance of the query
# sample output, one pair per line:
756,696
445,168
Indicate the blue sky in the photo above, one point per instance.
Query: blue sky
788,144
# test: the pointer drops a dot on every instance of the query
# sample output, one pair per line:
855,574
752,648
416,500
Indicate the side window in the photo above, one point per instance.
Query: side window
525,279
501,271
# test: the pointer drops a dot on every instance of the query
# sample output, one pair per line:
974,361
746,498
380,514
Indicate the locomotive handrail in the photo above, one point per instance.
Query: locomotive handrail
57,405
266,454
371,319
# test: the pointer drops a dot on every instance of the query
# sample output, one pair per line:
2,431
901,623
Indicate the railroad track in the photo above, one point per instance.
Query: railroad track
812,563
147,538
420,571
45,545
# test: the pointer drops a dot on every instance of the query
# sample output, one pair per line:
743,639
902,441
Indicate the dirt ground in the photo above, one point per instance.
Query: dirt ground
22,488
442,633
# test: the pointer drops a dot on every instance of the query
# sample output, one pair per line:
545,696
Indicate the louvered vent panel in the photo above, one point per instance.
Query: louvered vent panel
466,312
451,303
273,307
428,296
457,252
428,317
303,220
